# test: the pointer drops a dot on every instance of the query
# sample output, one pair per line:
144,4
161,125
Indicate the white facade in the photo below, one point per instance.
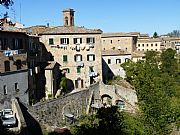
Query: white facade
112,65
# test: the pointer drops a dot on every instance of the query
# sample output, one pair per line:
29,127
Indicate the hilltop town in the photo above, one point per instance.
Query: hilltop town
54,74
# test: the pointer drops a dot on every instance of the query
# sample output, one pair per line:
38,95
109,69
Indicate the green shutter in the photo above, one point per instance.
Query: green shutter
51,42
78,70
64,58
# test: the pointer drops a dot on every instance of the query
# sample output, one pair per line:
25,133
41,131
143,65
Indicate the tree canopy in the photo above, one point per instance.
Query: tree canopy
156,82
174,33
108,121
155,35
6,3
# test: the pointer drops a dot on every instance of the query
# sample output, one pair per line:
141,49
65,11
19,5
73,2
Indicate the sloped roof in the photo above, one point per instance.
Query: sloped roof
119,34
51,65
150,40
70,30
113,52
11,29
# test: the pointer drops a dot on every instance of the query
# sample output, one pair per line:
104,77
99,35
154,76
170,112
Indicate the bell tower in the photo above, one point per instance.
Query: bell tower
68,15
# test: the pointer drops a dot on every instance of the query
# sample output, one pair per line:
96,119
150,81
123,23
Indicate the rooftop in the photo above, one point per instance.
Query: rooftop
70,30
119,34
11,29
113,52
51,65
150,40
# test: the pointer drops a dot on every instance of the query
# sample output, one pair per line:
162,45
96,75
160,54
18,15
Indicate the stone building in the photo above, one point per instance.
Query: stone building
76,49
116,49
13,66
149,44
112,60
171,42
125,42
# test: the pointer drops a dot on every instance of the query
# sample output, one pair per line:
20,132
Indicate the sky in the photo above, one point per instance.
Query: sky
145,16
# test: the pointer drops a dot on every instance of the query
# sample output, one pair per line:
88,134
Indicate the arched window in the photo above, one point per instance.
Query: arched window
7,65
18,64
66,21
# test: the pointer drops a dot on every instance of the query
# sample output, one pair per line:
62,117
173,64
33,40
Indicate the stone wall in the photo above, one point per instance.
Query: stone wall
116,92
8,80
62,111
19,116
55,111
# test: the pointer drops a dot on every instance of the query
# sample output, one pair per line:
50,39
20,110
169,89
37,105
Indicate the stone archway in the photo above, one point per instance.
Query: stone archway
106,99
120,104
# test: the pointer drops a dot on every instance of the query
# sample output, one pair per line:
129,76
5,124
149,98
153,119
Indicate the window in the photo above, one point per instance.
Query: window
90,57
51,41
18,64
65,58
64,41
17,44
77,40
78,69
151,44
126,59
111,41
109,61
16,87
78,57
156,44
90,40
68,70
138,45
66,21
156,49
147,44
91,69
3,43
5,90
118,61
142,45
7,66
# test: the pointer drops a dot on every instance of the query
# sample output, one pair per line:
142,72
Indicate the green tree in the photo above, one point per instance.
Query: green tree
108,121
63,84
169,62
157,90
155,35
174,33
6,3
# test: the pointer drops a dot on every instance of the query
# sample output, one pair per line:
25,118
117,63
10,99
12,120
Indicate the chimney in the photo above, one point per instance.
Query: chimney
68,15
